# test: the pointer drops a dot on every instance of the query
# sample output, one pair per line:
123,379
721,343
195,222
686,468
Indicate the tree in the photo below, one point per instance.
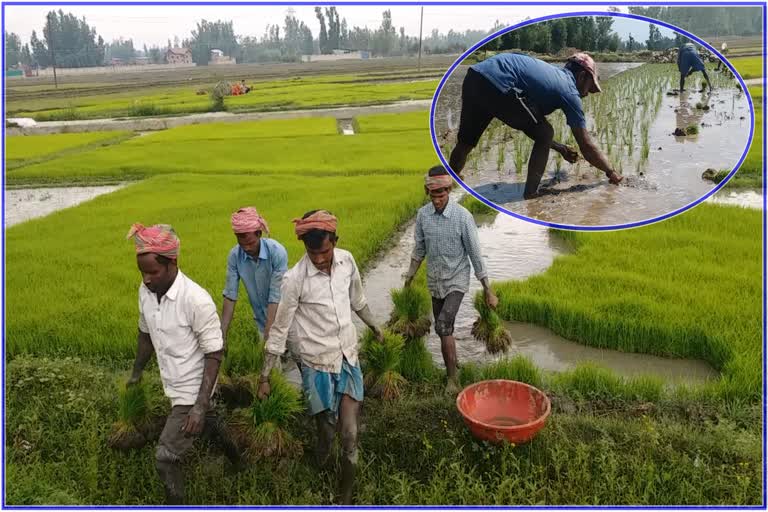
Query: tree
385,35
219,35
604,25
26,56
12,50
334,29
630,43
654,37
559,34
307,43
323,38
120,49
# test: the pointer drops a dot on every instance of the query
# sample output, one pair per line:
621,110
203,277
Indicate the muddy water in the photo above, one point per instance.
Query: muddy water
25,204
513,249
743,198
582,196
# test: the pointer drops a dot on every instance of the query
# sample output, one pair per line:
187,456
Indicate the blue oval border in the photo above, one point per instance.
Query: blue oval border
571,226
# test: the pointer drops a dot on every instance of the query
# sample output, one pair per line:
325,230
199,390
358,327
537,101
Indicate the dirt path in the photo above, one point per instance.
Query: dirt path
162,123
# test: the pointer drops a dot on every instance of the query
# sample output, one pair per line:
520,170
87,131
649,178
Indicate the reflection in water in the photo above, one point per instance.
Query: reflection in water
25,204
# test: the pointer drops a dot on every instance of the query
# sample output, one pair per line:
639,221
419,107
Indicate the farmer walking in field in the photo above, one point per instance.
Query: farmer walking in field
520,91
688,61
178,323
258,262
446,235
318,296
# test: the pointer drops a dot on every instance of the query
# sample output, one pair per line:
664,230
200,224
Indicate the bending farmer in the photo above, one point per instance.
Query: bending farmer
520,91
688,61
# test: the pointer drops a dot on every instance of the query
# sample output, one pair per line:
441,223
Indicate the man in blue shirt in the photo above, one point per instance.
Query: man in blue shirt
520,91
688,61
260,263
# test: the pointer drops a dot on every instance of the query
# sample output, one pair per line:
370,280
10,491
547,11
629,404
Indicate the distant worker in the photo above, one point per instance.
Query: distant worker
244,87
520,91
688,61
724,51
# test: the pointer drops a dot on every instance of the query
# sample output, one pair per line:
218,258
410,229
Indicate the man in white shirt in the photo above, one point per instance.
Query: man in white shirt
318,296
178,323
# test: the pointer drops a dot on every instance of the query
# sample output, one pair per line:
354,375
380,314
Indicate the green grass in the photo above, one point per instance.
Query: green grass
267,129
748,67
477,207
299,93
750,174
403,122
210,149
414,451
89,304
22,150
672,289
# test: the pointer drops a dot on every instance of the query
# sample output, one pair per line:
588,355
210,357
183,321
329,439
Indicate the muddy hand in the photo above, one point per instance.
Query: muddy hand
135,379
193,426
614,178
570,155
491,300
263,391
378,334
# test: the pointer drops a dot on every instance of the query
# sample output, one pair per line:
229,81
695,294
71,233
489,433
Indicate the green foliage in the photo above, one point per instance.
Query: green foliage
382,369
489,328
411,314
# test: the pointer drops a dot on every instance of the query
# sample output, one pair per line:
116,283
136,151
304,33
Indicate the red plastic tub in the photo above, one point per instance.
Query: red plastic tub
498,410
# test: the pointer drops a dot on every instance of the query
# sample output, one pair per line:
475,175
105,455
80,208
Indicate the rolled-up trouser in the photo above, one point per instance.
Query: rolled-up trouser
445,311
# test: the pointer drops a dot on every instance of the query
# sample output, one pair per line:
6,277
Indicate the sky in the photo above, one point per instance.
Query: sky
154,25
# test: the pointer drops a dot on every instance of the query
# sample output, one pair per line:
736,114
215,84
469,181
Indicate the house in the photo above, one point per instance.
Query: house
218,57
178,56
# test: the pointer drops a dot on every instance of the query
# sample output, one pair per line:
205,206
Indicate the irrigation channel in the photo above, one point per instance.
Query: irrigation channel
513,249
632,122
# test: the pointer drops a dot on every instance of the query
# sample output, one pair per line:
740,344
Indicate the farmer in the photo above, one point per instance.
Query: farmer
520,91
259,263
724,51
447,235
178,323
318,296
688,61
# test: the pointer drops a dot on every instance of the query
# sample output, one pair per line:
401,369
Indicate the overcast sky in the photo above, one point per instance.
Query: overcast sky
154,25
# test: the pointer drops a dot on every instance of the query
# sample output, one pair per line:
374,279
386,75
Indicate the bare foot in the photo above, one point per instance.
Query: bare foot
453,387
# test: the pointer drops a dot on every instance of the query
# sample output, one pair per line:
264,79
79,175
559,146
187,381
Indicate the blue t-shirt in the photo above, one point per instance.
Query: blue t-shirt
689,58
548,87
262,277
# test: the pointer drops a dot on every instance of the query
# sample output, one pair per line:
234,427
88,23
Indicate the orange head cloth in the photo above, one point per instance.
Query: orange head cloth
158,239
437,182
321,219
248,220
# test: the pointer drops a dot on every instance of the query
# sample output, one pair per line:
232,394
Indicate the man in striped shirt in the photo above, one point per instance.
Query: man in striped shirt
446,235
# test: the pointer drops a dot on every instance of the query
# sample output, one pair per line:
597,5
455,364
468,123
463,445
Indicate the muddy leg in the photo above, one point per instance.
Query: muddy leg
217,433
349,410
445,311
458,157
326,432
169,470
542,135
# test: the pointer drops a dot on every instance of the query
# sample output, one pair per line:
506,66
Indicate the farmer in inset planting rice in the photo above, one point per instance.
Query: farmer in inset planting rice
447,235
688,61
260,264
520,91
318,296
178,323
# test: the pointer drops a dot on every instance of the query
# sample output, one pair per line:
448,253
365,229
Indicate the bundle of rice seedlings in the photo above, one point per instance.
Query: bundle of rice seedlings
132,412
416,364
489,328
261,430
243,361
382,372
411,314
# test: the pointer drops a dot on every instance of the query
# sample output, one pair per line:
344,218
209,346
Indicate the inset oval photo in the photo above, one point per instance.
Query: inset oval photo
592,121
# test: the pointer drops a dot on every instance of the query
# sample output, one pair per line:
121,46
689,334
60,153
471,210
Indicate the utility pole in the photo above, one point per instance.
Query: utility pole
421,27
53,52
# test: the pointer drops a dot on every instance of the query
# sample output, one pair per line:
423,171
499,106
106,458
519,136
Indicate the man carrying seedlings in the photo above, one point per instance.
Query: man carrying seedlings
447,235
260,263
688,61
520,91
178,323
318,296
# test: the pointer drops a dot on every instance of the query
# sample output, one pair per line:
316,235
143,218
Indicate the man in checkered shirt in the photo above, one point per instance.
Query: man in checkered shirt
447,235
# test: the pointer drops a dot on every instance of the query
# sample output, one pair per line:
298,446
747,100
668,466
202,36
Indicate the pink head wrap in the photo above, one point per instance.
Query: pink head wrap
158,239
437,182
321,219
248,220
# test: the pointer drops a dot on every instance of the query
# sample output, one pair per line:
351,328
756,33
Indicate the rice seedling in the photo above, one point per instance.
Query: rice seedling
25,150
132,412
411,313
263,429
244,356
382,365
692,129
489,328
477,207
416,364
200,213
517,367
